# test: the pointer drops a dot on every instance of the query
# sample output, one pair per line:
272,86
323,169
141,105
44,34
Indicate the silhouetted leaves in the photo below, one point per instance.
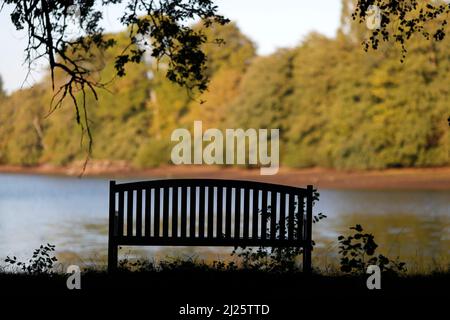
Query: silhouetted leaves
357,253
401,20
42,261
275,259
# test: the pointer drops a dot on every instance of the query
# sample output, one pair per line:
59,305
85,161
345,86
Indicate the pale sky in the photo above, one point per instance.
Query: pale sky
271,24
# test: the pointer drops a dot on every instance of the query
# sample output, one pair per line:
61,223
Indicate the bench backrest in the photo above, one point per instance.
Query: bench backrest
209,212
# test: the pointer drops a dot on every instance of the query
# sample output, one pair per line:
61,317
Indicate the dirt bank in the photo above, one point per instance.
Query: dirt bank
423,178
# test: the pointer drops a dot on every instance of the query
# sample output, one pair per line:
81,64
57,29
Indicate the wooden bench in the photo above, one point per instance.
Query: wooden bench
209,212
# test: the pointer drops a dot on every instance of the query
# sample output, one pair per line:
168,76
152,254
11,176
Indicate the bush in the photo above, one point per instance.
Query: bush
358,252
276,259
41,262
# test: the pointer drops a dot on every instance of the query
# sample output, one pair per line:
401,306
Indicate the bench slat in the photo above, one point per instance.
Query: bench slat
160,241
219,218
211,191
210,182
157,201
139,213
291,216
201,213
246,225
228,210
147,209
264,215
165,224
237,213
273,215
175,212
121,213
282,234
183,210
301,217
192,211
130,212
255,214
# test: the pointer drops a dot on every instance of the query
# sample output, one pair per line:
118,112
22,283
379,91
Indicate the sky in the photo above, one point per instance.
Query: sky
271,24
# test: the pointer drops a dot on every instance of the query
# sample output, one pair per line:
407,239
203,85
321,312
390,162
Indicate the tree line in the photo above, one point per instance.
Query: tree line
335,105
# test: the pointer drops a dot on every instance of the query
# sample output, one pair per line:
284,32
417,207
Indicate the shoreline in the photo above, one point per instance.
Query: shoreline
406,178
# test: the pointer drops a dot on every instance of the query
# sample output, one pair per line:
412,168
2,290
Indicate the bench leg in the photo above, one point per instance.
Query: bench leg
112,257
307,259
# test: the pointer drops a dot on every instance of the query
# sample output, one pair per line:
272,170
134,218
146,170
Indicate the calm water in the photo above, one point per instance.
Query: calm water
72,214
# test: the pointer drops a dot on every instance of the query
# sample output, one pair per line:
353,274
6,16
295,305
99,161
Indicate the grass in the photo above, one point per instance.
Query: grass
261,275
181,280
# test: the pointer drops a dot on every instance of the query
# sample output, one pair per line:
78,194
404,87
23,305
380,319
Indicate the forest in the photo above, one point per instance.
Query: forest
336,105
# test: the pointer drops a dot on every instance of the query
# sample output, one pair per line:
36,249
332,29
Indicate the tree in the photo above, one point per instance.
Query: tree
162,26
336,105
349,27
2,91
22,140
262,100
227,65
401,20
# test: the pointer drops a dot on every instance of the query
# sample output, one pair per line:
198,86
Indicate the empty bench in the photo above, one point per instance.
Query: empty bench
209,212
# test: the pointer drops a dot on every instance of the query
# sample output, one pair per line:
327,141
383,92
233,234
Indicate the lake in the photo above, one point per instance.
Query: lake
72,214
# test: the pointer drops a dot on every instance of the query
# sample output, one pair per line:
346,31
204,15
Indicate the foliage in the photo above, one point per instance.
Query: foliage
41,262
275,259
191,264
163,25
335,105
401,20
358,252
261,100
227,66
2,91
138,265
67,33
